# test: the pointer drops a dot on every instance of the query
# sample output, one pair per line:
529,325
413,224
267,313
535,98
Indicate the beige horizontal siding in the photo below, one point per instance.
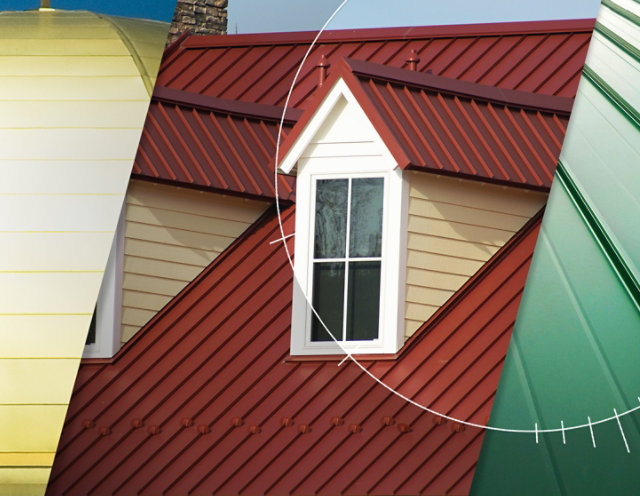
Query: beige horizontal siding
455,226
171,234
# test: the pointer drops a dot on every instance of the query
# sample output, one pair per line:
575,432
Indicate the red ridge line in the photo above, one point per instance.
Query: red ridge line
214,104
395,33
459,87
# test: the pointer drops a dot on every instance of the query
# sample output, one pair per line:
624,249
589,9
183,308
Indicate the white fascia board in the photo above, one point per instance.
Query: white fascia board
339,90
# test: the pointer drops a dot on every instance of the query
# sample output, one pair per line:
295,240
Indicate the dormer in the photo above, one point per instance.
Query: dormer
350,233
407,183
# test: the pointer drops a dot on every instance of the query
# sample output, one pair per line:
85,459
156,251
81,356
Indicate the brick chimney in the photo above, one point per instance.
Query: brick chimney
199,17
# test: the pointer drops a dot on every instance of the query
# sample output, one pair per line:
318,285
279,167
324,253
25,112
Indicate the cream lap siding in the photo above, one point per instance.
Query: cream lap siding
171,234
455,226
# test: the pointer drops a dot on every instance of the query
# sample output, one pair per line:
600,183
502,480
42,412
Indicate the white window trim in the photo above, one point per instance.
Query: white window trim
392,278
109,303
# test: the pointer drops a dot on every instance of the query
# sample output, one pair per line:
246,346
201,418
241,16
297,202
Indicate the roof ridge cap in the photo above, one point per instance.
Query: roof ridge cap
260,111
389,33
515,98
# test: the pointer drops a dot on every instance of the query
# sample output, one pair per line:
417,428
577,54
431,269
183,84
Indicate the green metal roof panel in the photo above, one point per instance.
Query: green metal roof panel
572,366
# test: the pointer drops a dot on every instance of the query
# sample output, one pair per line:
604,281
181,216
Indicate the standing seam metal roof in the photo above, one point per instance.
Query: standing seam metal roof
213,143
454,127
220,408
539,57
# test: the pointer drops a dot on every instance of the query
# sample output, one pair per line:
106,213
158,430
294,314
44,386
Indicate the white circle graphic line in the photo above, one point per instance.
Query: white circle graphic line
348,356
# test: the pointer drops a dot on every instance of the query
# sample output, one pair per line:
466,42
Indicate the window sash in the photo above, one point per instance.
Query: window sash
358,315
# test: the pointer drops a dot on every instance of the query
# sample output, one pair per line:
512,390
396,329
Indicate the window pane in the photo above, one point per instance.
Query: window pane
331,218
366,217
91,335
363,308
328,300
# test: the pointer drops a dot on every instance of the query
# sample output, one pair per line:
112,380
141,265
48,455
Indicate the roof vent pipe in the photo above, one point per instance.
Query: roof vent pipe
323,65
413,60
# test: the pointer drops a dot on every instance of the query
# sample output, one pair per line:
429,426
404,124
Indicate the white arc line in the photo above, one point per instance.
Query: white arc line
564,439
347,356
626,445
355,361
281,239
593,439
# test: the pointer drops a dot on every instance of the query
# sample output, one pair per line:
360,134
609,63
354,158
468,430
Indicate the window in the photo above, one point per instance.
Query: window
350,246
347,259
103,337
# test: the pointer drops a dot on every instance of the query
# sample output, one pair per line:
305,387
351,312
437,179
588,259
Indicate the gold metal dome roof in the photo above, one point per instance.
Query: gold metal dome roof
74,92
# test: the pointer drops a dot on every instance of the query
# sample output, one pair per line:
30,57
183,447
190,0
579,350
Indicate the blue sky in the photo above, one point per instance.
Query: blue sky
247,16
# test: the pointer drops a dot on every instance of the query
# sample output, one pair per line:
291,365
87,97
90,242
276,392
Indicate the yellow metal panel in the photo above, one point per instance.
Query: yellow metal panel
31,428
72,88
45,336
72,114
23,481
26,459
37,380
70,144
51,293
71,47
73,98
59,65
92,212
23,251
82,177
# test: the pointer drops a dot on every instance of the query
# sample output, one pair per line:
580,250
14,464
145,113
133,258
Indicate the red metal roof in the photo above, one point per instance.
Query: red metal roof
205,399
213,143
455,127
541,57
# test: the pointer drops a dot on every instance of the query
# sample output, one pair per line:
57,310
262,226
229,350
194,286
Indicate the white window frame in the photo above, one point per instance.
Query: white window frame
392,275
109,303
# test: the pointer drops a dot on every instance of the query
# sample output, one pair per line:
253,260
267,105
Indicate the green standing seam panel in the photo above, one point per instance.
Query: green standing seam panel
575,351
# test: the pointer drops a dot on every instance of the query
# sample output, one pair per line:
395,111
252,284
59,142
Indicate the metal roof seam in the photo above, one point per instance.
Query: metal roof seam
207,158
507,138
177,138
314,419
532,150
455,123
214,264
218,150
417,116
153,123
471,123
541,142
250,153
